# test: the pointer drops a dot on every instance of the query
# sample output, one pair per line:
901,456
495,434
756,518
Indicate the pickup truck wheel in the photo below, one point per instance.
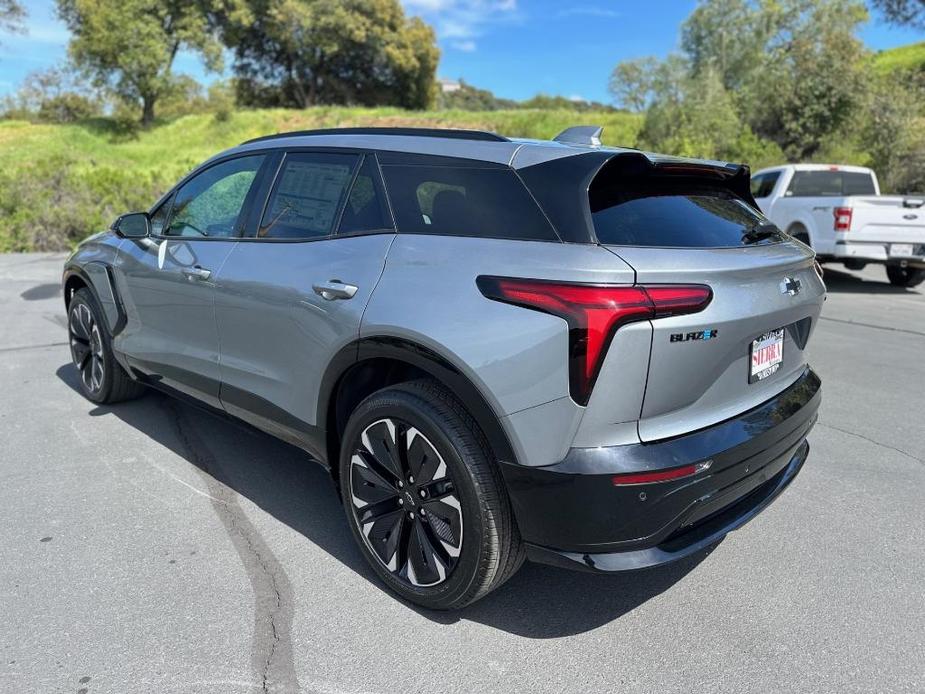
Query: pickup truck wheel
102,379
905,276
424,500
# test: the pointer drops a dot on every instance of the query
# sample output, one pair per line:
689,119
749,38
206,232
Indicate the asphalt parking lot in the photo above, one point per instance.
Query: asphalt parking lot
151,547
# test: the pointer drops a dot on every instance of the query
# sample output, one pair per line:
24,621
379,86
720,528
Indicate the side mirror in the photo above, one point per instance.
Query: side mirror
134,225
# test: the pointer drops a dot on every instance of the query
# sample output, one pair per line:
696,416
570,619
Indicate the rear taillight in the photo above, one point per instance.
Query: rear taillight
593,313
842,218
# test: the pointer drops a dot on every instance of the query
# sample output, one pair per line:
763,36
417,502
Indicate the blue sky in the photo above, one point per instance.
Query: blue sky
516,48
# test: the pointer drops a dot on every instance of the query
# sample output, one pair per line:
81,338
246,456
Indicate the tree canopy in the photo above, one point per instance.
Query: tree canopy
790,72
11,15
129,46
362,52
907,12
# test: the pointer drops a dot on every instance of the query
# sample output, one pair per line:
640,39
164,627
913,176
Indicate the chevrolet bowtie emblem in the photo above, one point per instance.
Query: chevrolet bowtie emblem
791,286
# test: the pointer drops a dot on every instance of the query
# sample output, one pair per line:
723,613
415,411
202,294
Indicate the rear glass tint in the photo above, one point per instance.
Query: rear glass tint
673,216
456,201
763,184
818,184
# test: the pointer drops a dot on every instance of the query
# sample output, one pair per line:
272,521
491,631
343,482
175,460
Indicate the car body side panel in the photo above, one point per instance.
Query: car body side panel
277,334
516,357
170,330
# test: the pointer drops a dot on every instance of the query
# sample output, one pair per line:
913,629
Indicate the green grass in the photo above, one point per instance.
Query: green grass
911,57
60,183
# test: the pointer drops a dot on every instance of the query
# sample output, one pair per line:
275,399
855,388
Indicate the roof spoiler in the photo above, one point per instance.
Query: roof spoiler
581,135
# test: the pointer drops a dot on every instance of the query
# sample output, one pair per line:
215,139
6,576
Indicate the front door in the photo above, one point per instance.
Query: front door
167,281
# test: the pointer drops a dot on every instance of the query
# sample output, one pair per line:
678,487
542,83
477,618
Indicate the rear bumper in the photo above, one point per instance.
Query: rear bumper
878,252
570,514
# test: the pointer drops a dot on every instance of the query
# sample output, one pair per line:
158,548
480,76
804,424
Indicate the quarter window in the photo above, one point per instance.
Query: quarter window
308,195
460,201
211,205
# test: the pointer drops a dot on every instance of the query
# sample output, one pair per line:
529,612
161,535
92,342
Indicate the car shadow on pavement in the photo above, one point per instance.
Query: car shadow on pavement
843,282
538,602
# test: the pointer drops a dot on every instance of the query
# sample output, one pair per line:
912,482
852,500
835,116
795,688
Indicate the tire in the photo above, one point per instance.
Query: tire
465,543
905,276
102,378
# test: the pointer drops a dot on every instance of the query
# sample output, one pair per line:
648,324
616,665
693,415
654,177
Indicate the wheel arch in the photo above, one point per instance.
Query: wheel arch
97,277
373,363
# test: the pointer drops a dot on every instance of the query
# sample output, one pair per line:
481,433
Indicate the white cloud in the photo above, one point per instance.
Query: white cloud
587,11
463,20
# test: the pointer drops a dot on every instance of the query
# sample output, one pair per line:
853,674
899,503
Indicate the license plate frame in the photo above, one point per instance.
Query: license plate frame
767,362
902,250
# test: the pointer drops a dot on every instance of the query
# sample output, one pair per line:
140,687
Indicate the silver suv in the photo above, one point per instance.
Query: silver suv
588,356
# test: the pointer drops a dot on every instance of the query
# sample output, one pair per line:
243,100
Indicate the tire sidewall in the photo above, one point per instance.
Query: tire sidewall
417,411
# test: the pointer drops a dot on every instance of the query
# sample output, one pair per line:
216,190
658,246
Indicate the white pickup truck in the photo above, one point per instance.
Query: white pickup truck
839,212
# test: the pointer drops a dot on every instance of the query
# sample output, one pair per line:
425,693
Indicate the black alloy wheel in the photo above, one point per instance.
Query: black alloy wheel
405,503
86,347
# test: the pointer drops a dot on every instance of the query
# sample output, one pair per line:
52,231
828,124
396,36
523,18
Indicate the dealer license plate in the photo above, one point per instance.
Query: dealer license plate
767,353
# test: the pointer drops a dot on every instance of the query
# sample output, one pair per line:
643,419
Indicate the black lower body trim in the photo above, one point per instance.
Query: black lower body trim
688,540
579,507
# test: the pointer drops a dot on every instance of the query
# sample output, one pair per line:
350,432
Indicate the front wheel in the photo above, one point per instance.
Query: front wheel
102,379
905,276
424,499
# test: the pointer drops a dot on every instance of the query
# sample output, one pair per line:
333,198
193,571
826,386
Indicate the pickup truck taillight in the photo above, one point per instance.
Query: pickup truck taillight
842,218
593,313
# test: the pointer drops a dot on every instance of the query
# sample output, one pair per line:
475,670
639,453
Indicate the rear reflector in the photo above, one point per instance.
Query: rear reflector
594,313
660,475
842,218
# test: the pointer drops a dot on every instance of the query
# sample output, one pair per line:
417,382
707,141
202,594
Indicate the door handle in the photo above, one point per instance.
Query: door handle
334,289
197,273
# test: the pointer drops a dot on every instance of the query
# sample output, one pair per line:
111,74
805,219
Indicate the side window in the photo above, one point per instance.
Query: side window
763,184
366,207
159,217
211,204
308,195
464,201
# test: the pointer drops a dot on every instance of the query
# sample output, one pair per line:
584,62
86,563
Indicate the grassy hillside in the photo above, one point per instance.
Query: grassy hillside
911,57
59,183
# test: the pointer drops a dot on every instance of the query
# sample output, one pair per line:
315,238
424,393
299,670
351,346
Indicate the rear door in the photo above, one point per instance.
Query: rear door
167,281
766,298
293,293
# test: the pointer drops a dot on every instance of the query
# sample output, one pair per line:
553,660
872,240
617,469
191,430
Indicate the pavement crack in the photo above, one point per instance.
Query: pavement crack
873,441
23,348
271,644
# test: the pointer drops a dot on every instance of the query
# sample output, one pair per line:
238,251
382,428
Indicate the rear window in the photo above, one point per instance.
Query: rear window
817,184
464,201
763,184
675,216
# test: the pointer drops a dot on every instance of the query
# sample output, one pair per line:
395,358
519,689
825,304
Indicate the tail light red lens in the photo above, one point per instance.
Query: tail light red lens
842,218
594,313
654,476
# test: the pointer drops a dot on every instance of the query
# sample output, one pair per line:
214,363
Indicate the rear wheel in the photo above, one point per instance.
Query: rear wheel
424,499
905,276
102,378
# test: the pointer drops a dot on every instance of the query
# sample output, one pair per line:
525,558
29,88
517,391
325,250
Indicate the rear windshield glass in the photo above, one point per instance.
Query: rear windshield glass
673,216
763,184
457,201
817,184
